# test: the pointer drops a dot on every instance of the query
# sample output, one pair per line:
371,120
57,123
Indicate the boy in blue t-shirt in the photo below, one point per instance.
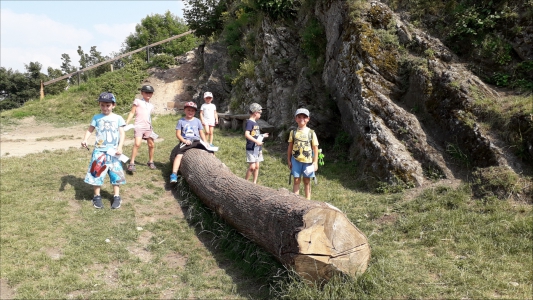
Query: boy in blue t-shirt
109,136
189,131
254,141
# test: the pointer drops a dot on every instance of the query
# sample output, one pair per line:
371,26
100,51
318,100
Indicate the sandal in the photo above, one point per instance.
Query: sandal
131,168
151,165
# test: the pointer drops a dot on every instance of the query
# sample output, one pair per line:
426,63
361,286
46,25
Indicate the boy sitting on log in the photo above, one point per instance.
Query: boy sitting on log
189,132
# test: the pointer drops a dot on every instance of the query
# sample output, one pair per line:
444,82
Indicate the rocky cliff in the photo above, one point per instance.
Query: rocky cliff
403,98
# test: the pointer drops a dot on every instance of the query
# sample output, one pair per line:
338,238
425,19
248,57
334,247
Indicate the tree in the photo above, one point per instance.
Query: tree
204,16
66,67
16,88
155,28
57,87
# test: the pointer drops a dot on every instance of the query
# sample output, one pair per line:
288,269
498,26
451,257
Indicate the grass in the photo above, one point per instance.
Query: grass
163,243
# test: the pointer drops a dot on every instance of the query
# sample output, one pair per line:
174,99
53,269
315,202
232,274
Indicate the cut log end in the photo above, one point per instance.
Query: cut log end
330,245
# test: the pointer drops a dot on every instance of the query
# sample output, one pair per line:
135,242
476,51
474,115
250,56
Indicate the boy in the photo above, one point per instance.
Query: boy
209,116
142,109
189,131
254,142
302,153
109,136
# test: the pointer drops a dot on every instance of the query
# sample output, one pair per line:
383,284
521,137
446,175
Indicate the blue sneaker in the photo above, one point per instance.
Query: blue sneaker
211,145
173,177
116,202
97,201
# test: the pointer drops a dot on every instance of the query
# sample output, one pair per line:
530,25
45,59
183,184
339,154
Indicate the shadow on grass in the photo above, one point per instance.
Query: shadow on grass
83,191
250,267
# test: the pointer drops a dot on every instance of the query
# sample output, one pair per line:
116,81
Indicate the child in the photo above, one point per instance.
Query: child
142,109
302,153
209,116
189,131
109,136
254,141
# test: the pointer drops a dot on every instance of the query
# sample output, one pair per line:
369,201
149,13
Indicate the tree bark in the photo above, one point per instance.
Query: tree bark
314,238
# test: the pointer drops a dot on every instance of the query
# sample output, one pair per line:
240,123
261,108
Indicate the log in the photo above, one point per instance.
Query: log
314,238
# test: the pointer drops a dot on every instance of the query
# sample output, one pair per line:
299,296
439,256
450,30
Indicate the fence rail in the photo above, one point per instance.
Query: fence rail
117,58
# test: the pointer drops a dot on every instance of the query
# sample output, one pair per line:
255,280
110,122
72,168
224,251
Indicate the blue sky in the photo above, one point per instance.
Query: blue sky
43,30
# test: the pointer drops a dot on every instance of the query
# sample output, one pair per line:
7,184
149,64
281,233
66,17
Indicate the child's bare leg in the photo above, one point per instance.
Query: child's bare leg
136,145
251,169
307,188
256,172
116,190
96,190
211,131
296,186
151,149
176,163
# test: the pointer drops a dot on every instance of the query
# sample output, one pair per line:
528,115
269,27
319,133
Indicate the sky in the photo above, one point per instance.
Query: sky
41,31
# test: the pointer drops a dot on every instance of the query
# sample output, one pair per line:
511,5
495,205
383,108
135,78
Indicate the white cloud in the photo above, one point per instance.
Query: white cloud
28,38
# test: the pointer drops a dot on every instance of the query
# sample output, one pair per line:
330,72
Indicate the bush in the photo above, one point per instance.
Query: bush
163,61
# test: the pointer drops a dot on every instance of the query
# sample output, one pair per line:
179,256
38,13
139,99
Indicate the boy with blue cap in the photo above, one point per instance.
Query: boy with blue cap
109,138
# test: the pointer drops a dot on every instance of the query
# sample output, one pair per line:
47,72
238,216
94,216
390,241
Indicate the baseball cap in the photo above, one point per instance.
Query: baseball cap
254,107
107,97
147,88
191,104
301,111
208,94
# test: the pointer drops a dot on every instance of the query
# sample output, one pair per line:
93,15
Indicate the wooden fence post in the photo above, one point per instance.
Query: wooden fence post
42,90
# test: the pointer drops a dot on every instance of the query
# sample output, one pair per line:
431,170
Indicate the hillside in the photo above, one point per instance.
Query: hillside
404,107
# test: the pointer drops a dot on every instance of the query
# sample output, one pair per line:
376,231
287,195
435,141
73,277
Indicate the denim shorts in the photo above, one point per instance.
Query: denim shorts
102,164
298,168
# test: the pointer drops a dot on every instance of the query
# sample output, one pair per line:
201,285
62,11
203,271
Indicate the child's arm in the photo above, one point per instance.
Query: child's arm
181,138
315,157
131,114
251,138
86,136
289,154
121,140
216,117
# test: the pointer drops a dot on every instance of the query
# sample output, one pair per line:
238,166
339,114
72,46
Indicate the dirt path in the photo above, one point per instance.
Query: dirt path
172,87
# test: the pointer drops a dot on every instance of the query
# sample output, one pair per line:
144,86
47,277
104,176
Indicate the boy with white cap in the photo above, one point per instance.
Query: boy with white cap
302,153
209,116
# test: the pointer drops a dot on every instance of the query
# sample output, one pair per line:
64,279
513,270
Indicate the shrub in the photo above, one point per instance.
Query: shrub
163,61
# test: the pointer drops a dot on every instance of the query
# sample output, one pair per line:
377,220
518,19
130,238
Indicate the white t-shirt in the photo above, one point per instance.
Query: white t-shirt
209,113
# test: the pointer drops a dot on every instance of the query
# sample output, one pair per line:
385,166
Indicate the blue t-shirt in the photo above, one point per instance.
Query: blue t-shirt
107,134
190,129
253,127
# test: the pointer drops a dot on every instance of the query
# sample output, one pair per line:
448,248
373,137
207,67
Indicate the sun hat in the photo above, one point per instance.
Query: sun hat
254,107
147,88
208,94
301,111
191,104
107,97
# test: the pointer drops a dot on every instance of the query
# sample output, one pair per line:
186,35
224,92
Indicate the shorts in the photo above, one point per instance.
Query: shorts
144,133
298,169
209,122
184,147
102,164
251,158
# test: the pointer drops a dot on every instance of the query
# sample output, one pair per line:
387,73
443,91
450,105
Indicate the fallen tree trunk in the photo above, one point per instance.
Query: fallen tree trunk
314,238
